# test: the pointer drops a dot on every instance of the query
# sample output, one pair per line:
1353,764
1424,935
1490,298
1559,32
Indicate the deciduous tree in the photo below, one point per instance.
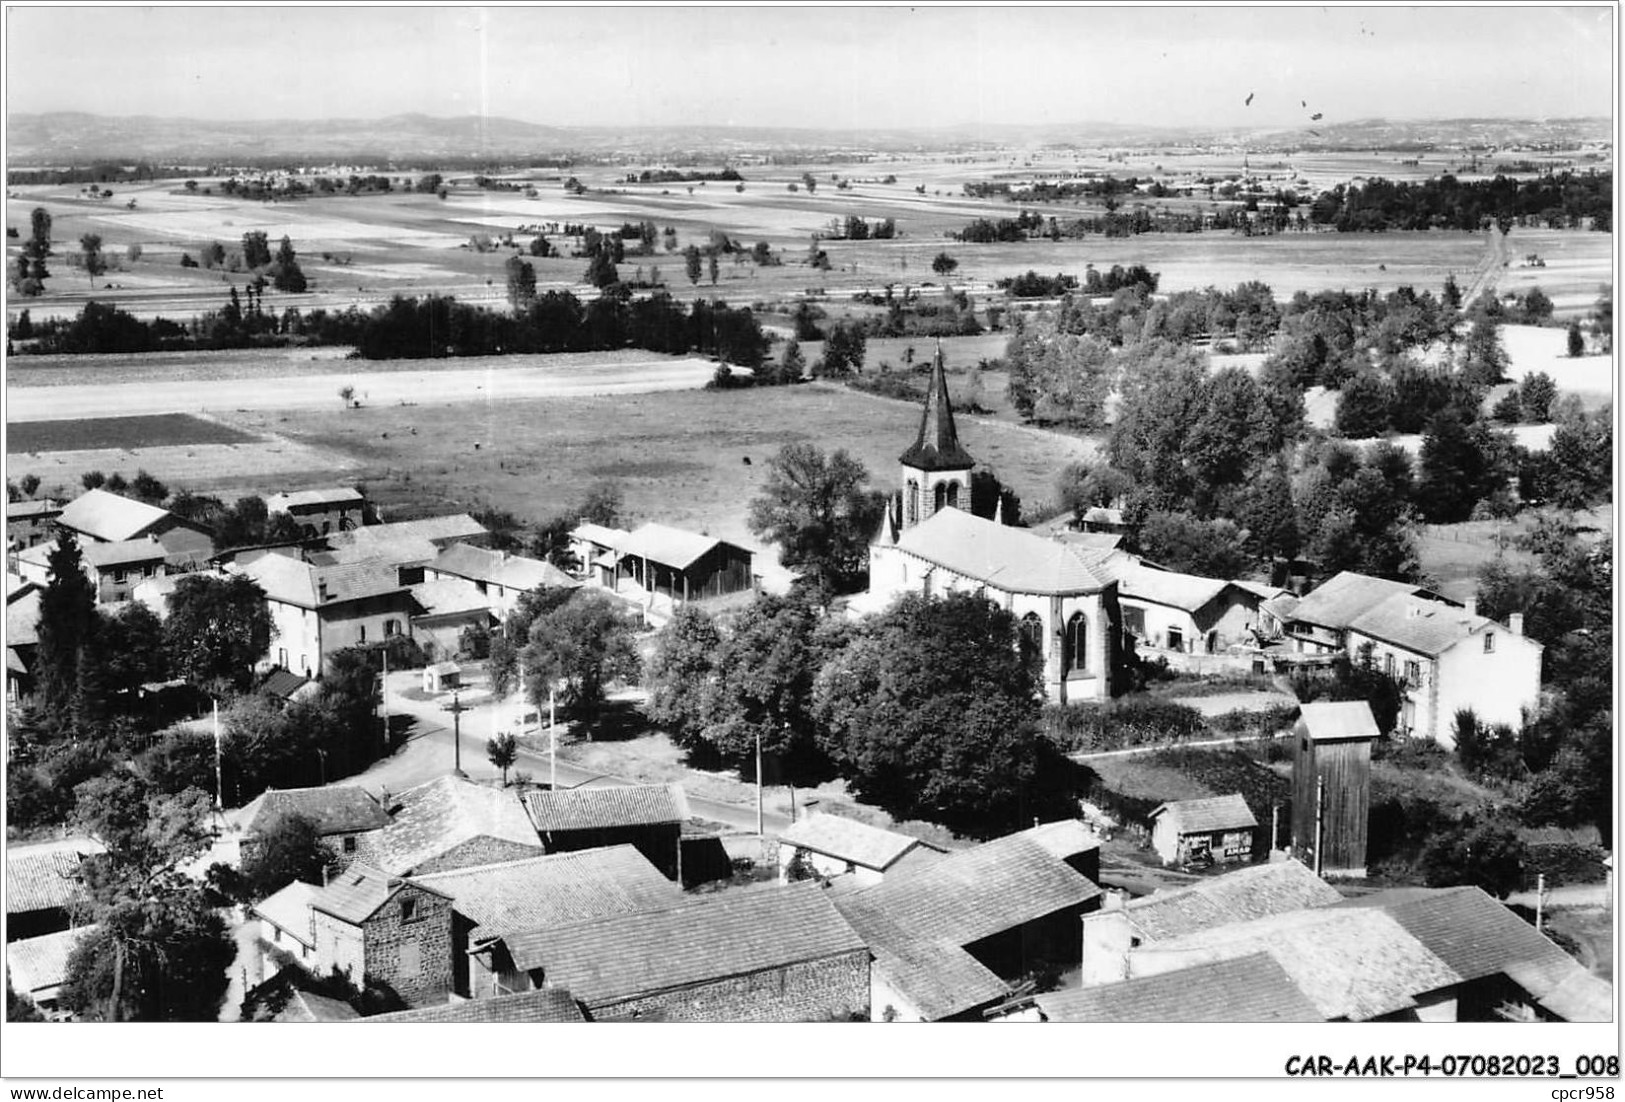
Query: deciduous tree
585,644
816,508
216,630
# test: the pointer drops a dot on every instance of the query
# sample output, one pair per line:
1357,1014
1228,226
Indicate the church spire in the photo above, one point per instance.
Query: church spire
937,448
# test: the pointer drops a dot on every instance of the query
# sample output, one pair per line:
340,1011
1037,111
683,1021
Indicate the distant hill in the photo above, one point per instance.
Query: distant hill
73,137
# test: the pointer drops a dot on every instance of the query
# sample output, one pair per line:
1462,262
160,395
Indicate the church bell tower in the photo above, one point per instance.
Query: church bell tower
936,470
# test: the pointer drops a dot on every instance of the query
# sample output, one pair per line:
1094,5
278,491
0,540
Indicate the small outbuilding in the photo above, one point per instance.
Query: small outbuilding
1331,786
1221,830
442,677
830,846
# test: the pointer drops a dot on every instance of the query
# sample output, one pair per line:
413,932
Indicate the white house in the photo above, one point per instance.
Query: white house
834,846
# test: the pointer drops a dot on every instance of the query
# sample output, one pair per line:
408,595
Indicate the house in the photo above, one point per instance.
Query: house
382,931
343,814
1449,659
831,845
447,608
318,611
544,1004
287,932
684,565
1064,596
114,569
43,890
321,512
31,522
98,516
1220,829
767,954
38,966
1318,622
500,577
1104,521
597,551
1331,785
949,935
282,999
648,816
1241,990
442,677
409,544
22,639
285,687
449,823
1175,615
490,902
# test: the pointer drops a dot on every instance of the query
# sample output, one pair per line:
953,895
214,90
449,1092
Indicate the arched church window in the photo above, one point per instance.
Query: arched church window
1032,633
913,496
1075,652
939,497
953,495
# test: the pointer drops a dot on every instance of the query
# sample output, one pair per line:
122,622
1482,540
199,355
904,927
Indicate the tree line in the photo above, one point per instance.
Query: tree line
1559,200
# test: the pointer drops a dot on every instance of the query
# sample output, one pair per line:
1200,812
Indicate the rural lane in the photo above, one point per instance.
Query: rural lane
488,384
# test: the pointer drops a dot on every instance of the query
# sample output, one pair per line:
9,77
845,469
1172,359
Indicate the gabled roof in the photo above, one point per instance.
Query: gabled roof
1011,559
1423,626
341,495
545,1004
937,447
450,597
307,1006
979,892
39,964
42,881
284,684
106,556
1478,937
441,815
936,975
704,938
1342,598
672,546
1246,989
614,538
43,507
1279,887
294,582
500,568
1206,816
1187,592
556,890
393,551
337,809
355,894
1101,541
596,808
22,618
289,911
437,530
1330,721
110,518
867,846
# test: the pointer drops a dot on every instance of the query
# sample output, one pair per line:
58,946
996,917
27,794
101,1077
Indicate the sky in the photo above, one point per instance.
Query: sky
834,66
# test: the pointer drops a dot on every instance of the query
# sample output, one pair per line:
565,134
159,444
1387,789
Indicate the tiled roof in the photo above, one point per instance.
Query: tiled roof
441,815
1101,541
1356,964
671,546
705,938
357,892
556,890
936,975
284,683
108,517
1337,601
1187,592
1282,606
1279,887
1260,590
390,552
22,618
499,568
605,806
450,597
937,447
439,530
292,581
337,809
17,510
289,910
42,881
1325,721
342,495
104,555
1478,937
1011,559
545,1004
38,964
1064,838
1419,625
614,538
307,1006
849,840
1205,816
1246,989
979,892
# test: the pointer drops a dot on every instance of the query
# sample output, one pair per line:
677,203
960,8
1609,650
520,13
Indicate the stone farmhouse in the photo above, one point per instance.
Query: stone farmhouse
449,823
321,512
342,814
382,930
98,516
30,522
648,816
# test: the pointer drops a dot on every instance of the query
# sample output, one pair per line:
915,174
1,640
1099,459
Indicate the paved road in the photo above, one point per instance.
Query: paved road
489,384
1153,748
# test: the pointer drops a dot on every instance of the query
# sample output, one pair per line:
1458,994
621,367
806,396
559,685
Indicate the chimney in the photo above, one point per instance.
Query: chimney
321,588
1107,939
1515,623
1472,607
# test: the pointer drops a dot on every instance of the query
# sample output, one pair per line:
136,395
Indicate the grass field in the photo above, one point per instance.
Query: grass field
119,432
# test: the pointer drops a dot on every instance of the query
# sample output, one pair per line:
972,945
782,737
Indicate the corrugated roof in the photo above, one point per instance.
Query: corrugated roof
336,809
979,892
1423,626
1478,937
545,1004
289,910
1011,559
37,964
1345,596
441,815
42,881
705,938
1205,816
106,555
108,517
341,495
1279,887
556,890
1188,592
450,597
1246,989
937,447
598,807
1326,721
849,840
671,546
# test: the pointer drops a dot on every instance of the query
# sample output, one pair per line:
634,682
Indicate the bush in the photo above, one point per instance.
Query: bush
1258,721
1132,721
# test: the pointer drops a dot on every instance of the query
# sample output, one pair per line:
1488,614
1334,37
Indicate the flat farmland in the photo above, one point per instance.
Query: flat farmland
119,432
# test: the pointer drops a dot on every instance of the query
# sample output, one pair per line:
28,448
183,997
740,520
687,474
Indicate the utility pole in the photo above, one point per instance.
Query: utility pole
1540,901
1320,822
553,738
457,711
760,836
219,801
383,685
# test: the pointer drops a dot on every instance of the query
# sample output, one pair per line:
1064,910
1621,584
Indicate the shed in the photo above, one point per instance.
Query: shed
442,677
1331,786
834,846
648,816
685,565
1221,829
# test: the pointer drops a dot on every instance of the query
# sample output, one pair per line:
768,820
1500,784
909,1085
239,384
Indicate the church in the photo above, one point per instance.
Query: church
1062,593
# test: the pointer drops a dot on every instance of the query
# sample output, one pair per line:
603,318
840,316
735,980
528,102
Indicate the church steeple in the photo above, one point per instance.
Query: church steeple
937,448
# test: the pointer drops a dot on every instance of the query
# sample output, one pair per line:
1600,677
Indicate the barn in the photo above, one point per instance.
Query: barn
684,565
